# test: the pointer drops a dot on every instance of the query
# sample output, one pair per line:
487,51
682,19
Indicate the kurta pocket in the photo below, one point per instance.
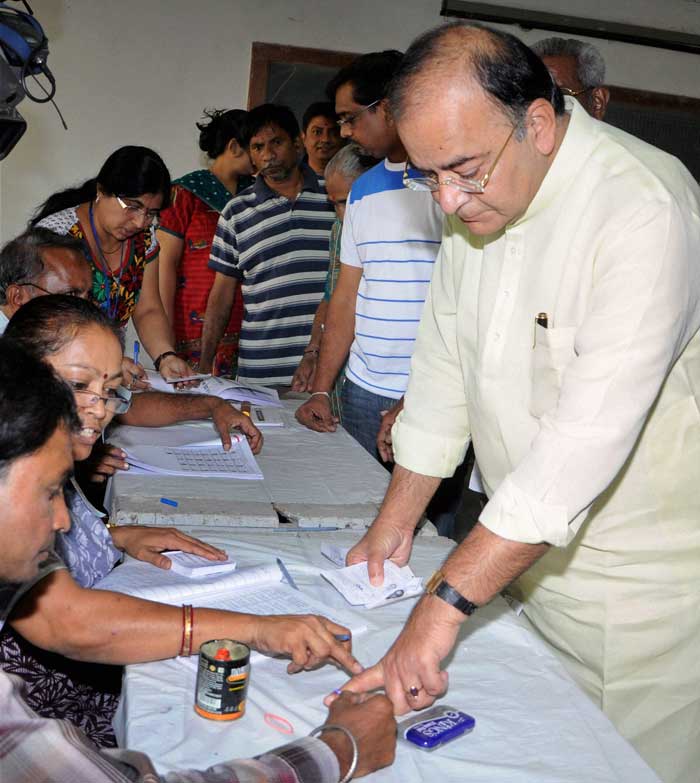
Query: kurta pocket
554,349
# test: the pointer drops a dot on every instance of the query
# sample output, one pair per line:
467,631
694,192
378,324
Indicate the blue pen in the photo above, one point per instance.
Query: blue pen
286,574
137,350
342,637
168,502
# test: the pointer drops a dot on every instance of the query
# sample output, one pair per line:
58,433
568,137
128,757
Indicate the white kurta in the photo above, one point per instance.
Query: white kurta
587,433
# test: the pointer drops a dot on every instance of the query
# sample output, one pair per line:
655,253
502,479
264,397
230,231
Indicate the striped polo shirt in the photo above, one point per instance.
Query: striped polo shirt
393,234
278,250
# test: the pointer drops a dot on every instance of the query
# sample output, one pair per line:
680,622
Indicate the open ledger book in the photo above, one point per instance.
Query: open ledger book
198,460
254,590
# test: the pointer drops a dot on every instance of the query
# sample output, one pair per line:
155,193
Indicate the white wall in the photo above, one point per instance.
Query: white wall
140,72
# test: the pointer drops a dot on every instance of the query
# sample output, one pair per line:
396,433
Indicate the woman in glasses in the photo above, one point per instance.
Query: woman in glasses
60,612
186,232
115,215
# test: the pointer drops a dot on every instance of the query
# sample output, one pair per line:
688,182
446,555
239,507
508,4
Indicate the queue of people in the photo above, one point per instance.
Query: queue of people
484,242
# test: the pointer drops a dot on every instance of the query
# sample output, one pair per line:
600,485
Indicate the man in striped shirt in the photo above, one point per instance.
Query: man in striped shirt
391,237
272,239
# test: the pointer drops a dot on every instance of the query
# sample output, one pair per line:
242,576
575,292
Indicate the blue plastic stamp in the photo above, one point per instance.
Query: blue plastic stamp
435,727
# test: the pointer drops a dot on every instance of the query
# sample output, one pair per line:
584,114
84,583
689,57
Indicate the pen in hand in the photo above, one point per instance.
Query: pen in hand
137,351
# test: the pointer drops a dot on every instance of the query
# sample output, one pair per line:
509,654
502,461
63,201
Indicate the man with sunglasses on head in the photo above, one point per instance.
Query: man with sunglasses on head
561,337
391,237
37,263
579,70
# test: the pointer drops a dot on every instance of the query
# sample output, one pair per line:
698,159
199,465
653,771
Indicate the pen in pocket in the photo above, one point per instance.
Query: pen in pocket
541,319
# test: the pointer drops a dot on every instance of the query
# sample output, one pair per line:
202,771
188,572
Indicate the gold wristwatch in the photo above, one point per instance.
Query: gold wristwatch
439,586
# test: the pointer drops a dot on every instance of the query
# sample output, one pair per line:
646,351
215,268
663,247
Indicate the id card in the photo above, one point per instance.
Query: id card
435,727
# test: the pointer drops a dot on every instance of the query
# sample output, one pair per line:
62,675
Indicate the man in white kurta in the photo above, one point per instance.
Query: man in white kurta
587,431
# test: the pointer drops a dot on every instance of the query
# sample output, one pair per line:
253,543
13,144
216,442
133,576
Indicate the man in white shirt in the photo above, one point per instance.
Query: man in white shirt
391,237
560,335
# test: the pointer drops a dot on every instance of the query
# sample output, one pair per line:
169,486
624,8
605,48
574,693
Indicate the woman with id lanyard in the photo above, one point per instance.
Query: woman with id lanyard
115,215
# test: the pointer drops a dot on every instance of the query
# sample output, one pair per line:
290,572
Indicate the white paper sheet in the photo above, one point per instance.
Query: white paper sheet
197,567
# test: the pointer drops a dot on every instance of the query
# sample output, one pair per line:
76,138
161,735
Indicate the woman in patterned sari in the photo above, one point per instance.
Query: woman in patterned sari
115,215
186,232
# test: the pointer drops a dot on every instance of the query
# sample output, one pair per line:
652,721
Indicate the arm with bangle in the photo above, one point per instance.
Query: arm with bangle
101,626
338,335
359,737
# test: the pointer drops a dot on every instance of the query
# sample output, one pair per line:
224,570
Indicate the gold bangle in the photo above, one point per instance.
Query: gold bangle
187,626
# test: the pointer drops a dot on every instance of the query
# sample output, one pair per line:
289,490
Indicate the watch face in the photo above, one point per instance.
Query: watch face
434,582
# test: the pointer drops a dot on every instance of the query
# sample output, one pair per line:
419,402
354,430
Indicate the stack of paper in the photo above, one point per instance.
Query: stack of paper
197,567
225,388
352,582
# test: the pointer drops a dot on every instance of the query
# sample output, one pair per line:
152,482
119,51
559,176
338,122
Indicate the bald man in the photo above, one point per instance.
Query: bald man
560,336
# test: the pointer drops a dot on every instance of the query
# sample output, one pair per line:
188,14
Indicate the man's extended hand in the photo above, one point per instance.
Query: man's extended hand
226,418
413,661
371,722
316,414
383,541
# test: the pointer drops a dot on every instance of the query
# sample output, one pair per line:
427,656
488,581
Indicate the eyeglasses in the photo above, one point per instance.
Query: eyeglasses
133,210
432,183
117,400
575,93
350,119
81,293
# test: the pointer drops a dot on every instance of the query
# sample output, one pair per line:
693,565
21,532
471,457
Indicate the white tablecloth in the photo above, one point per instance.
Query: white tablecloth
533,724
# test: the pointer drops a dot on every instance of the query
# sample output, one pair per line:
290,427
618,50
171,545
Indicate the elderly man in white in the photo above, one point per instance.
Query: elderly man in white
561,336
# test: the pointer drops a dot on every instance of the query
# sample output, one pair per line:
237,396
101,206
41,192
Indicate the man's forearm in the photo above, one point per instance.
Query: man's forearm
159,409
317,327
484,563
338,335
407,498
216,318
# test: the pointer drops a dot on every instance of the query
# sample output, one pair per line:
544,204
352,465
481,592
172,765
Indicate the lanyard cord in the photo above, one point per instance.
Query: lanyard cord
112,306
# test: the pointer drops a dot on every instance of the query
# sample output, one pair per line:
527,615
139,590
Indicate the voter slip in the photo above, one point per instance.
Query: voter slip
352,582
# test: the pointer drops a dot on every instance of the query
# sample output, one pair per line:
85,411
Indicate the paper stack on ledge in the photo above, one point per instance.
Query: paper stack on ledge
225,388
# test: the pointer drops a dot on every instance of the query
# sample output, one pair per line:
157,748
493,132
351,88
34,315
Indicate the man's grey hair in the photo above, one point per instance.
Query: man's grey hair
590,65
349,162
21,261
